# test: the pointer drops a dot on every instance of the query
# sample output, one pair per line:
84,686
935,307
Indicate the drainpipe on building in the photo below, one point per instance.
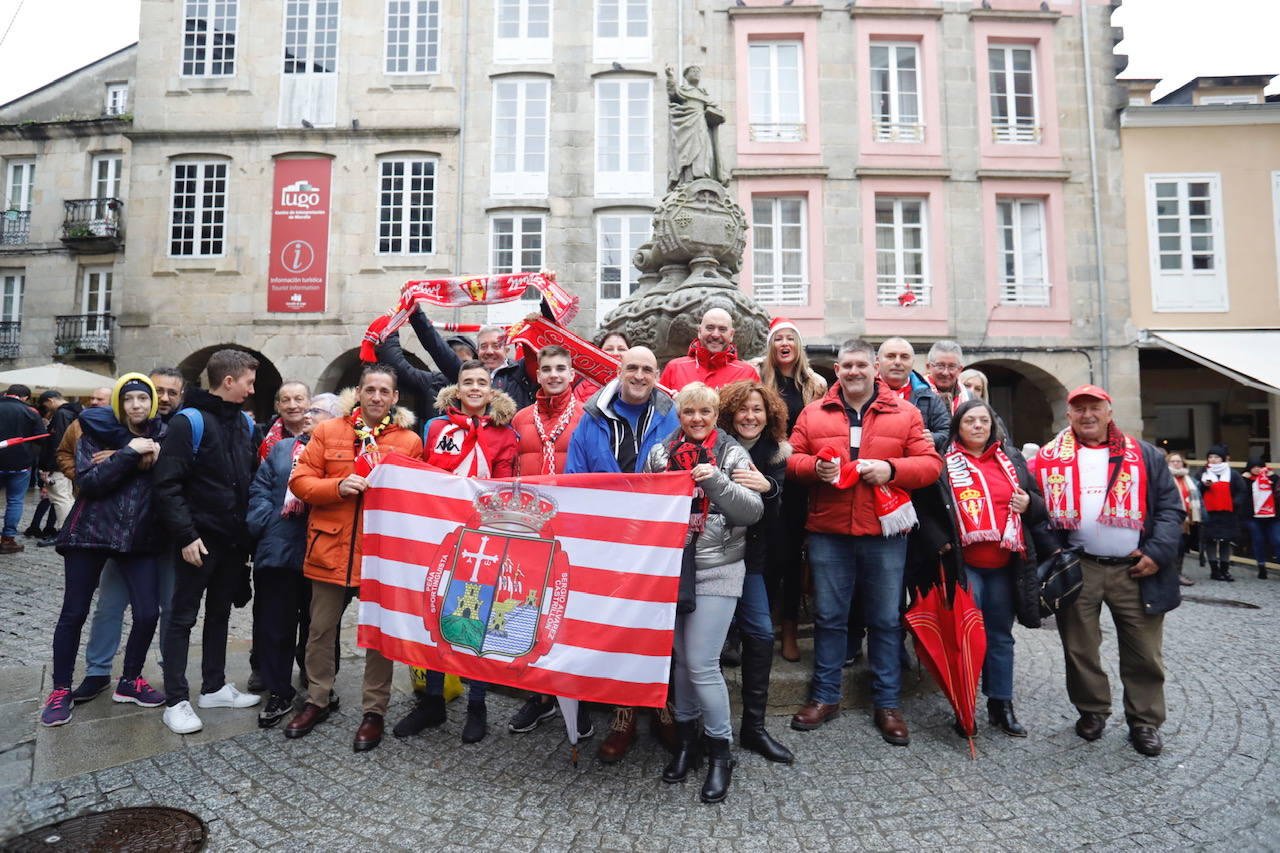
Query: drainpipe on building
463,90
1100,271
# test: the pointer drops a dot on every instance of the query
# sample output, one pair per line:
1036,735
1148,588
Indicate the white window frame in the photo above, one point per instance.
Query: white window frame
633,132
401,215
1017,131
1029,284
13,283
117,102
1201,290
108,185
521,47
214,11
632,231
19,183
893,127
421,43
1226,100
520,181
622,46
201,208
96,281
768,126
511,311
310,9
779,288
888,288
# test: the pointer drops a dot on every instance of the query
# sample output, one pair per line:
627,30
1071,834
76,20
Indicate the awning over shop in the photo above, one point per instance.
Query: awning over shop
1249,356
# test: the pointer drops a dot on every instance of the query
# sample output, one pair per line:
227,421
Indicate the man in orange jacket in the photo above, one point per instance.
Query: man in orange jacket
325,479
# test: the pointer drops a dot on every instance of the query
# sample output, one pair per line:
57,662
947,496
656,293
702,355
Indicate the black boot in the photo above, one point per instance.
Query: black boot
720,766
428,713
731,653
757,661
1215,573
1226,571
688,755
477,724
1000,713
1262,573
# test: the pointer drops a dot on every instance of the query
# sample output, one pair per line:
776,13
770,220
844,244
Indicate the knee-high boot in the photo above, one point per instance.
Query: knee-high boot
757,662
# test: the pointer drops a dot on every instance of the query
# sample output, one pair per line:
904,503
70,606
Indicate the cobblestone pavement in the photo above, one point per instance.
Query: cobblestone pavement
1217,786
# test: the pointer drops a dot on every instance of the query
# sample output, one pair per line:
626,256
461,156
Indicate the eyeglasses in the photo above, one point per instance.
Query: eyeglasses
317,411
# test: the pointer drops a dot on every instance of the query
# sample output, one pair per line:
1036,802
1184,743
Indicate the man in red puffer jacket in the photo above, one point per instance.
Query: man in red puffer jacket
712,359
860,419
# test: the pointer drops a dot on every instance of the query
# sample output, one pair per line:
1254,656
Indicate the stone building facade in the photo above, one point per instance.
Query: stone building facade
932,152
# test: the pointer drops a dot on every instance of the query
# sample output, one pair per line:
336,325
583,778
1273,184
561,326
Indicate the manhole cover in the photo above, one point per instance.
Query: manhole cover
137,830
1220,602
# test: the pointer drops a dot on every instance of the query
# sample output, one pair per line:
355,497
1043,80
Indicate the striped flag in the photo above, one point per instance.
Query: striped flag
564,585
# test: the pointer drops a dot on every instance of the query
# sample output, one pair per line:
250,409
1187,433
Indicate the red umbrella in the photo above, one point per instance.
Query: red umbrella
953,640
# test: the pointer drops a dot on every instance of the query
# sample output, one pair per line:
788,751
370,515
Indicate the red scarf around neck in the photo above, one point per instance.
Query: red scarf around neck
1058,470
709,360
974,507
457,446
682,455
551,416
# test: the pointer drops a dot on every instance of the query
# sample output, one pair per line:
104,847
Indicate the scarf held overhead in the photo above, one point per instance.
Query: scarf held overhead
460,291
974,507
1058,470
588,359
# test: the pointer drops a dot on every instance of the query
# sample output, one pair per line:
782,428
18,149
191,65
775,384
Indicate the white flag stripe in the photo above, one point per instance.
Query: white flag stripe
405,525
406,626
620,612
641,506
619,666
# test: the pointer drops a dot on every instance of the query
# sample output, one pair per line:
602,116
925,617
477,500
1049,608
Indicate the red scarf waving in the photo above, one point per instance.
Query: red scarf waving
974,507
709,360
457,446
682,455
1058,470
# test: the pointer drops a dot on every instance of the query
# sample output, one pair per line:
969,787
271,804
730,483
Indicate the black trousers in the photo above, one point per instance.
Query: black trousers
216,583
281,621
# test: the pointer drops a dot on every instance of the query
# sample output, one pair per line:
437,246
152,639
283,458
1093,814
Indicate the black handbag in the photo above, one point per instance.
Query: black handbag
1061,578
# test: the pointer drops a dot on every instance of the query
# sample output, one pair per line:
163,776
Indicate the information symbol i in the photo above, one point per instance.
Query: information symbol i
297,256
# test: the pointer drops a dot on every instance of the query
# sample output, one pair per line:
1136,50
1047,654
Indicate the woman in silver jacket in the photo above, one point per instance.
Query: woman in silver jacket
721,513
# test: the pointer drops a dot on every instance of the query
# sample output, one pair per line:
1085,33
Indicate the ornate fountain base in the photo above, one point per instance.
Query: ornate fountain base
666,321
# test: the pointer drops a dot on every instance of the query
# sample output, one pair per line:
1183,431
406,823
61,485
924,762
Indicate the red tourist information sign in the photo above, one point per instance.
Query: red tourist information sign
299,236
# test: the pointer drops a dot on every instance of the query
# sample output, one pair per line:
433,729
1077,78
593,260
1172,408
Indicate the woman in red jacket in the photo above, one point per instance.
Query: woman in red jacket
472,438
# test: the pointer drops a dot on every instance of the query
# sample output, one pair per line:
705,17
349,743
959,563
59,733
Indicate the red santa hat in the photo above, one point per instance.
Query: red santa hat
778,324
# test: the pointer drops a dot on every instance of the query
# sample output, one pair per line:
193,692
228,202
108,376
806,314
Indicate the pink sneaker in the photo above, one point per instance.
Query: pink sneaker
57,708
139,692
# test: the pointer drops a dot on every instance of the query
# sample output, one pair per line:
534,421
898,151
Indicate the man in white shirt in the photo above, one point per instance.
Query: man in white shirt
1112,497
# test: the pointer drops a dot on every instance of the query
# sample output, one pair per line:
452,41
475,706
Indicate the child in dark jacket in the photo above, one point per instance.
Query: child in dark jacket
1226,501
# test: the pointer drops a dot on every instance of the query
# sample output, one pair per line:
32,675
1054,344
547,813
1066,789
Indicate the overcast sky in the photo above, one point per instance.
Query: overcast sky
1172,39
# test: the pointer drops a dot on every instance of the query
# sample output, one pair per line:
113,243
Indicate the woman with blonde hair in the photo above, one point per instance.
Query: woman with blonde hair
975,381
786,370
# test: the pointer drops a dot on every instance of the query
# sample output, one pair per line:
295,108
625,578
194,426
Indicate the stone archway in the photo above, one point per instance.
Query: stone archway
344,372
262,403
1029,398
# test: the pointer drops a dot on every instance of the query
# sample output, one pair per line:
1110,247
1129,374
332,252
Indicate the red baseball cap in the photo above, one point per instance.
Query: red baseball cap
1088,391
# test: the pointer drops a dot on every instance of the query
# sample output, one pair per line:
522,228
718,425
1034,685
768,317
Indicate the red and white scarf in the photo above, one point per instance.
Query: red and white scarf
1058,470
457,446
1264,497
974,507
958,395
274,434
548,434
293,504
589,360
682,455
893,505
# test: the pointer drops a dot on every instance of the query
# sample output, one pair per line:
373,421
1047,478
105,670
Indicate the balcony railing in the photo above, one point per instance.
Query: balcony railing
898,131
92,224
15,227
10,338
1023,134
777,132
84,335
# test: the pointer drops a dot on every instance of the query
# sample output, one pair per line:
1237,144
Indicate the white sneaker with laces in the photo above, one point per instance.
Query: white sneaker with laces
181,719
228,697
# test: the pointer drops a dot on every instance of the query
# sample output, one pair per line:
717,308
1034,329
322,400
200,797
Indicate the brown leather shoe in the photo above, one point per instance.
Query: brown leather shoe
369,734
1090,725
790,650
305,720
1146,740
9,545
663,726
892,727
813,715
622,733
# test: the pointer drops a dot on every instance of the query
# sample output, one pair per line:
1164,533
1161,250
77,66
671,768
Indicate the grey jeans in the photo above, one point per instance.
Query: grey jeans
696,678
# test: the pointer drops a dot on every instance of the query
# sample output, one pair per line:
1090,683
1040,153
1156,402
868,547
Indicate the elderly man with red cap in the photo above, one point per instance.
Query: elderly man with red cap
1112,497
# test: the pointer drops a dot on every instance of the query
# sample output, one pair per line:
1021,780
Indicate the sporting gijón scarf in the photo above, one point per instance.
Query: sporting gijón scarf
457,446
682,455
973,501
1264,498
1058,470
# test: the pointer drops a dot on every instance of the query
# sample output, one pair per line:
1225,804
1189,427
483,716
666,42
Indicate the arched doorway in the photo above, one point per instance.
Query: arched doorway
344,372
262,403
1029,399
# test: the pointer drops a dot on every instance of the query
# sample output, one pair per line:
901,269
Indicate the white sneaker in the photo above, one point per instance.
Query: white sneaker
228,697
181,719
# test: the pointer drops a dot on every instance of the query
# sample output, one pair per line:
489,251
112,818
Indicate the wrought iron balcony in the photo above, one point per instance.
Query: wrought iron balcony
85,335
92,224
10,338
15,227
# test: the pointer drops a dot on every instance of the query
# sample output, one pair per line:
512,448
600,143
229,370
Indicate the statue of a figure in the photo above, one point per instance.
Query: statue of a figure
694,116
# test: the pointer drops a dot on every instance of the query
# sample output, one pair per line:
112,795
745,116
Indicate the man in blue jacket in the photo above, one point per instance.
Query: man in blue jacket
620,424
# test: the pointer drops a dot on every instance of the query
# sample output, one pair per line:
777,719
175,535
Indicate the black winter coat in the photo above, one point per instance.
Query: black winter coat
1224,525
115,508
282,542
765,538
17,419
57,428
207,496
425,384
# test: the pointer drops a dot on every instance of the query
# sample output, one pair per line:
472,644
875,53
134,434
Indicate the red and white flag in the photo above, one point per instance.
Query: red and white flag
564,585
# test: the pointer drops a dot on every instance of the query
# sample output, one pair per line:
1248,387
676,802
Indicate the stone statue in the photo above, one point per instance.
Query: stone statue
694,117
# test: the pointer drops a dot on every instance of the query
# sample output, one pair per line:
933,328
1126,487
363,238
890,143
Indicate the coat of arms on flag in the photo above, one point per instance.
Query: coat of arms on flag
564,585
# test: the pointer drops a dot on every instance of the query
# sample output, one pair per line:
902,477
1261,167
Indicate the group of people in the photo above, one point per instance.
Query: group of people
883,480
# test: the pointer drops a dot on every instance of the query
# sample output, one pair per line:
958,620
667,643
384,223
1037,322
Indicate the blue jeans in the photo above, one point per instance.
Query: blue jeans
83,567
873,565
15,491
753,615
1265,535
993,593
108,617
696,679
476,690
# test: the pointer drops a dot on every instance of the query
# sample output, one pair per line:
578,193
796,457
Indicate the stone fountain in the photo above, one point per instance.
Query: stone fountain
699,232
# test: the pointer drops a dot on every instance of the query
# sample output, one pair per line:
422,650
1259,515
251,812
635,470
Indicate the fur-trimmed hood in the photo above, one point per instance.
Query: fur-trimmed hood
501,408
400,415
